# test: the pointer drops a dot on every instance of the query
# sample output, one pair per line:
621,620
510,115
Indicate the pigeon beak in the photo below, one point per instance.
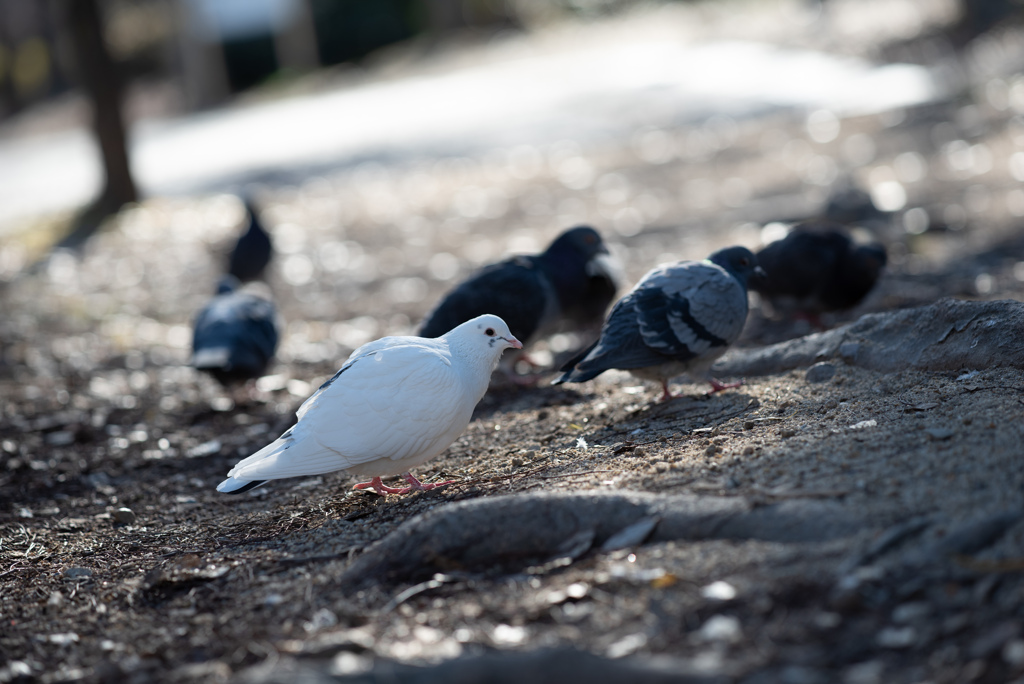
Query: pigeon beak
516,344
603,265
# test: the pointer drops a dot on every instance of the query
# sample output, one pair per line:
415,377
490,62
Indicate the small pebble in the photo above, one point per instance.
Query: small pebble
896,637
1013,652
60,438
820,372
719,591
710,451
748,450
939,433
77,573
826,620
911,612
721,628
848,350
125,516
748,425
786,432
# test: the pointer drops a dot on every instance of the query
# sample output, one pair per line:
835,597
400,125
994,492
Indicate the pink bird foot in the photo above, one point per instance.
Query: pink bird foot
717,386
666,395
415,486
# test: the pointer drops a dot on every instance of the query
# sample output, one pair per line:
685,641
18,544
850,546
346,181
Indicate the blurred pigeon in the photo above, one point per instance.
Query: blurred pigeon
253,251
678,319
847,204
235,334
817,268
396,403
567,287
850,204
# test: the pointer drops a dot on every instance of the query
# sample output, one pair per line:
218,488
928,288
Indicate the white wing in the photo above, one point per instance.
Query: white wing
360,352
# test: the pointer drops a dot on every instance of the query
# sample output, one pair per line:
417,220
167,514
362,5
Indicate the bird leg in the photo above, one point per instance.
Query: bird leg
717,386
666,395
415,485
528,380
812,318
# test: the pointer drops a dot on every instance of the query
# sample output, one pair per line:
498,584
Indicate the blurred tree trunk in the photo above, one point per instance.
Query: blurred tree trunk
98,75
295,46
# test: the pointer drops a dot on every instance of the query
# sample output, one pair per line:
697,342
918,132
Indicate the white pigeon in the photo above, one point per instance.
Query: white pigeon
395,404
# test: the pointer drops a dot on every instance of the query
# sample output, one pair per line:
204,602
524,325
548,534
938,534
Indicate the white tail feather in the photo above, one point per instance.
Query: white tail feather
288,457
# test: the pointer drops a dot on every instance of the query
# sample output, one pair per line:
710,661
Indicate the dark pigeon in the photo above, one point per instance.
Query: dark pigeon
252,253
567,287
235,334
678,319
817,269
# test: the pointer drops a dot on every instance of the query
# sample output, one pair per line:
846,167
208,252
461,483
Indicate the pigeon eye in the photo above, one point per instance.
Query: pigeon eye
744,261
489,332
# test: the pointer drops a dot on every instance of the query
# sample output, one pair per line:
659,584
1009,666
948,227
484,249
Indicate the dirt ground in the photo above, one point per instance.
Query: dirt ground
872,527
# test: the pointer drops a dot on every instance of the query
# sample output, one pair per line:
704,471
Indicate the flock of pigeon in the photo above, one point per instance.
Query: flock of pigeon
399,401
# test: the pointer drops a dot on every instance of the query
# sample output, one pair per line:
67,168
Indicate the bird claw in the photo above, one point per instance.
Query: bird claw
717,386
812,318
666,395
414,486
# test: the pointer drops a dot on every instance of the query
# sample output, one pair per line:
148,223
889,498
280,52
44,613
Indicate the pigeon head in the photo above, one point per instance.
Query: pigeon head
582,242
872,256
740,262
227,283
485,332
581,269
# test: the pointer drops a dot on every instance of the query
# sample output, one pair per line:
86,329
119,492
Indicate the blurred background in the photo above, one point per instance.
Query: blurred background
394,146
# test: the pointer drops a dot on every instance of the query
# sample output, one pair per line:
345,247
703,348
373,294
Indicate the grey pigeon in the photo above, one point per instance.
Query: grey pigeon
817,268
678,319
253,250
396,403
235,334
566,287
